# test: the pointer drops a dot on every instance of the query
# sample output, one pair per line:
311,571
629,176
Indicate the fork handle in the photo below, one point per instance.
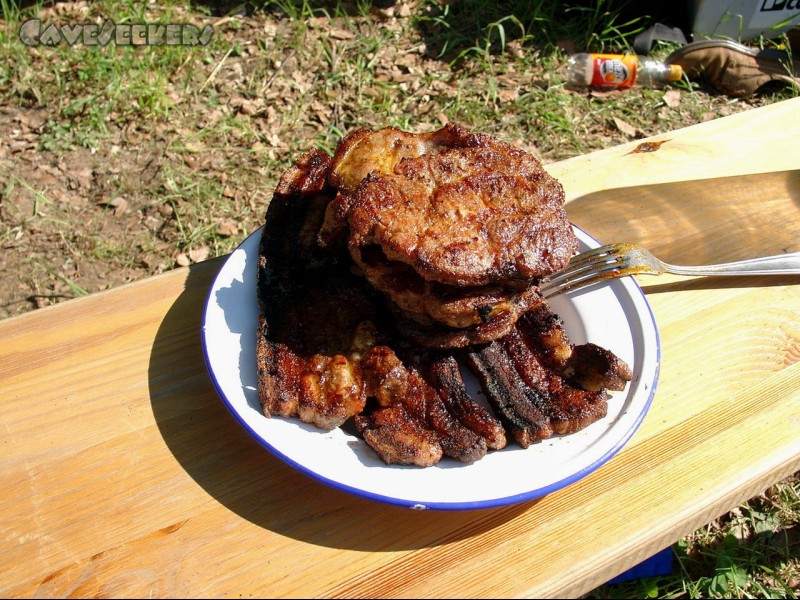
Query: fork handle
781,264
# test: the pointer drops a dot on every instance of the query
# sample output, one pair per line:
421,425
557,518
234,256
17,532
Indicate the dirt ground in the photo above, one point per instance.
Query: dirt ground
84,209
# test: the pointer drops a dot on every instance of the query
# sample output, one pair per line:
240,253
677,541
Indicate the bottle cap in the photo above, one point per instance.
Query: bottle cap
675,73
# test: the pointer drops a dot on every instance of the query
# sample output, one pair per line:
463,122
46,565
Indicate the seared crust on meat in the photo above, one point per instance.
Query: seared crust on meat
363,153
392,382
568,408
518,407
366,152
430,303
315,320
587,365
398,437
466,217
307,175
500,321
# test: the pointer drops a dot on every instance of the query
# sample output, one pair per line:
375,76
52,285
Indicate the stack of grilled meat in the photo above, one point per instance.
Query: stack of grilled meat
385,267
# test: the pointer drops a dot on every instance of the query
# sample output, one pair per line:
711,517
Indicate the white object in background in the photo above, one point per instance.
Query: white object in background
744,19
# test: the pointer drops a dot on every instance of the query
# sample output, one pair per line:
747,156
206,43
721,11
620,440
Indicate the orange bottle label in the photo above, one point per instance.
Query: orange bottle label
614,70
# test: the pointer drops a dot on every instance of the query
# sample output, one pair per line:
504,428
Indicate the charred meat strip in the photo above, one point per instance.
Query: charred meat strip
568,408
587,365
518,407
309,174
596,368
392,382
533,400
445,374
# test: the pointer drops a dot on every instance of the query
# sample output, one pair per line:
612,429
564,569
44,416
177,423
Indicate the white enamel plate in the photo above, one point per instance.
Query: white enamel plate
614,315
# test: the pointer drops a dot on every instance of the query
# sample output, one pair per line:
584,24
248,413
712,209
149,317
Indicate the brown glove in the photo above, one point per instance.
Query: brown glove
734,69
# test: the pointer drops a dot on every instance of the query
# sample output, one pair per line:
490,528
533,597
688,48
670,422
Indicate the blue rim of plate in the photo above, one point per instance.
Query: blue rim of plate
629,284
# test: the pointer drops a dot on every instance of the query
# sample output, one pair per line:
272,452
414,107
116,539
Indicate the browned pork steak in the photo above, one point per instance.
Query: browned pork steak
432,303
482,215
494,322
453,227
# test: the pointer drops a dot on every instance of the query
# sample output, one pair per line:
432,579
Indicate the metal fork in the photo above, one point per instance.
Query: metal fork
618,260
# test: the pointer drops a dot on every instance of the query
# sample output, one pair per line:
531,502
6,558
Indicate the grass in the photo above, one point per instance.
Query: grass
470,28
751,552
126,161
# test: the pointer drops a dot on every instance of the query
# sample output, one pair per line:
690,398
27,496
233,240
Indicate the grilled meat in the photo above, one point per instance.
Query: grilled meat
366,152
430,303
306,176
453,227
518,407
445,374
398,437
539,389
337,342
586,365
322,335
568,408
314,319
375,153
498,320
482,215
393,383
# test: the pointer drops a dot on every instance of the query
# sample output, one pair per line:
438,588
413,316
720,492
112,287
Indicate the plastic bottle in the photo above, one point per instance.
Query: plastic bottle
619,71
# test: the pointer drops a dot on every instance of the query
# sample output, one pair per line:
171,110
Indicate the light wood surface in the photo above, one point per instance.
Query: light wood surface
123,474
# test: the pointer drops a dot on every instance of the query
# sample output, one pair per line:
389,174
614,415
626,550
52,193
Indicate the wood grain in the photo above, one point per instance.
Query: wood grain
125,476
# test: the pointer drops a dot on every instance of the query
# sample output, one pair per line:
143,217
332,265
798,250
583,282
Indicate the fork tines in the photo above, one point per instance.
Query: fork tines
586,268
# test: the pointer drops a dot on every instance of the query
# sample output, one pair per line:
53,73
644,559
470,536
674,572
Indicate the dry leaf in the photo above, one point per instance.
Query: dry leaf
199,254
341,34
249,108
515,49
625,127
120,205
33,119
508,95
82,178
227,229
672,98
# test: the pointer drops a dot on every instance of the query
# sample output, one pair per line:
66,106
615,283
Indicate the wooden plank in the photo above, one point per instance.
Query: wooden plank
750,142
125,476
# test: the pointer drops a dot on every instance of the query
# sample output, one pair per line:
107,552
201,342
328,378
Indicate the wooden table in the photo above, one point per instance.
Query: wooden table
124,475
